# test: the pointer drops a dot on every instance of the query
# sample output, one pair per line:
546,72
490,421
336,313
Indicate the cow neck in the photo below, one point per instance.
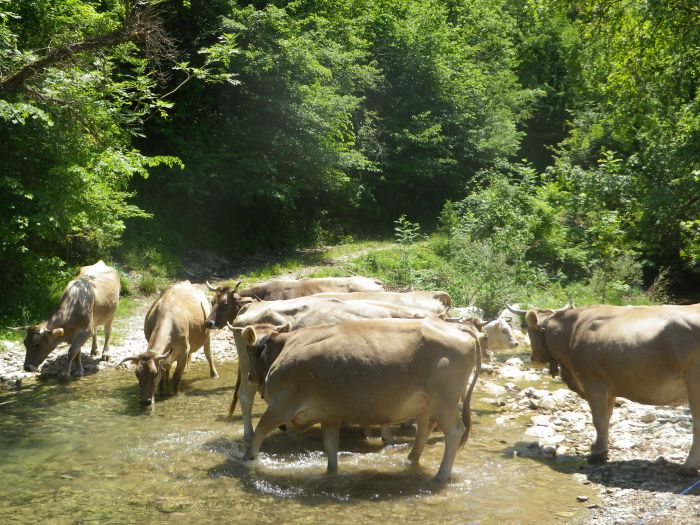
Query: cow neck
553,363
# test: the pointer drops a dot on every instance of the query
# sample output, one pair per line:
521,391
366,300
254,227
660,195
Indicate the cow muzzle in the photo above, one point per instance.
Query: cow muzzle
29,367
209,324
146,402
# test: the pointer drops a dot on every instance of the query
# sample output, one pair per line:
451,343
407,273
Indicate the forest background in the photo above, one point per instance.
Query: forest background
523,150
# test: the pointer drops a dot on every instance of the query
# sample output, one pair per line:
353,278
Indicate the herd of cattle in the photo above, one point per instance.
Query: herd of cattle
332,350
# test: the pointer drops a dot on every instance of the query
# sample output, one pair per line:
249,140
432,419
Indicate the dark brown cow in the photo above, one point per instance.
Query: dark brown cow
367,372
228,301
88,301
648,354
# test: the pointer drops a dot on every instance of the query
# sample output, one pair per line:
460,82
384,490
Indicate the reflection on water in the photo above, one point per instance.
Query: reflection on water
87,452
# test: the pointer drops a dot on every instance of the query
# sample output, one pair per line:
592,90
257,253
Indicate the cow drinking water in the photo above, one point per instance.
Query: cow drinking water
89,301
174,328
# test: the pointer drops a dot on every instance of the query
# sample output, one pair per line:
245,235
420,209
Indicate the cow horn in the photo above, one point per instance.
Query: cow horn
237,285
211,288
132,358
18,328
567,306
166,354
480,324
515,311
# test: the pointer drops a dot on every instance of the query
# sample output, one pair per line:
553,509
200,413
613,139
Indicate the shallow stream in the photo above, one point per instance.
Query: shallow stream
87,452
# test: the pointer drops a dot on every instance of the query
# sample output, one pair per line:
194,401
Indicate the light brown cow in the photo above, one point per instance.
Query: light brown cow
88,301
174,328
227,301
300,313
648,354
367,372
437,302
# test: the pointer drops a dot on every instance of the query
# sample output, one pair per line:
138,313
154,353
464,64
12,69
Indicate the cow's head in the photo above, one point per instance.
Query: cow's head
225,305
150,372
39,342
500,335
262,348
537,321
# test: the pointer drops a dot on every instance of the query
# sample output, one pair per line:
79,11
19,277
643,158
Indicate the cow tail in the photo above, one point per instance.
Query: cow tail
466,410
235,394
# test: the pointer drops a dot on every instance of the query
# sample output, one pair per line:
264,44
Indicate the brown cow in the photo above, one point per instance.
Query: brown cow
437,302
88,301
368,372
174,329
648,354
302,312
227,301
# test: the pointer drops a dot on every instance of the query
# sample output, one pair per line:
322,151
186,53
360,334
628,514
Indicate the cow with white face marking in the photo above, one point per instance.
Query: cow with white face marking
300,313
228,301
332,373
88,301
500,335
174,328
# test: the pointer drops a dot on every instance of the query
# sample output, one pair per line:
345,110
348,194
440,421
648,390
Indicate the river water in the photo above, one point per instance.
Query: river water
86,452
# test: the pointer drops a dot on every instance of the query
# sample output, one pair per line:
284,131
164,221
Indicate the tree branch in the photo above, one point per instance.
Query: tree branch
142,26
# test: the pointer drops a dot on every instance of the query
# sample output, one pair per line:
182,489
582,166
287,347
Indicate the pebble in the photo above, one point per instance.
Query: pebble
648,417
581,498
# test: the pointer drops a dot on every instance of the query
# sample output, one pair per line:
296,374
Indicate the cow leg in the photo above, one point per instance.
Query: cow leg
164,379
74,354
387,436
177,375
331,438
207,353
105,349
601,401
93,350
692,462
269,421
454,429
246,394
422,435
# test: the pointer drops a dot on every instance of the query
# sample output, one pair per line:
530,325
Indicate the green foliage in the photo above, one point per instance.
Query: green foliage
133,132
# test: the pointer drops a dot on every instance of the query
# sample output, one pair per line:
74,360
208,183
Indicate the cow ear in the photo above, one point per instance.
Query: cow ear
249,335
286,327
57,332
531,318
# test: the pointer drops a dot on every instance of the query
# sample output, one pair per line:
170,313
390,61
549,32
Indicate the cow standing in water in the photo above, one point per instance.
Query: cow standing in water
367,372
88,301
302,312
174,328
647,354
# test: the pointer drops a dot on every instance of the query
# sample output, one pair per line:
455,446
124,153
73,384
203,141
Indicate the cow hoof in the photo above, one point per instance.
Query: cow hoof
688,471
598,458
63,377
283,428
106,358
214,375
